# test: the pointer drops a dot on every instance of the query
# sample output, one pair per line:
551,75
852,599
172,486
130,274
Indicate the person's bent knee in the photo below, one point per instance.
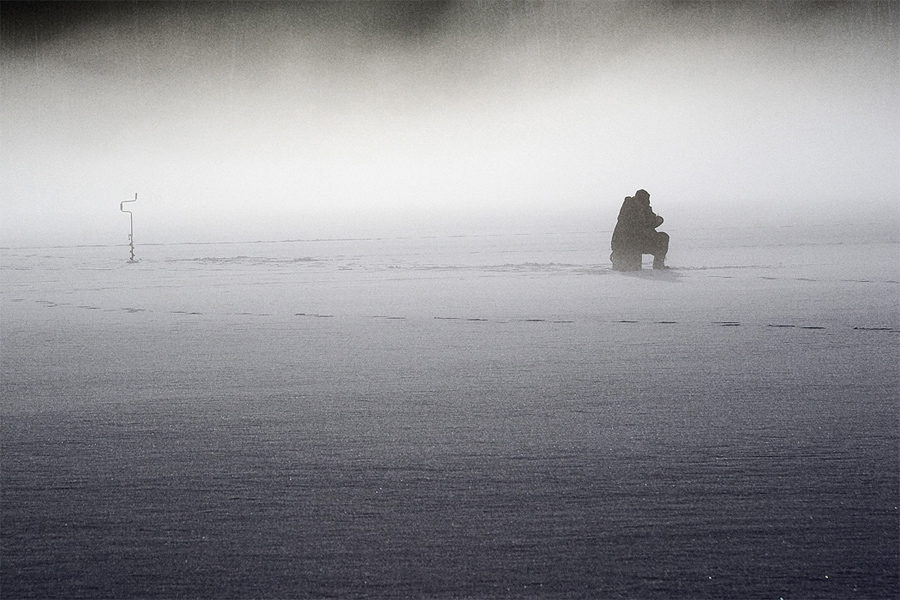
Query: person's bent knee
662,242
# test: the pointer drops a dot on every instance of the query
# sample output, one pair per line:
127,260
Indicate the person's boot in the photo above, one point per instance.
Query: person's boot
625,262
659,262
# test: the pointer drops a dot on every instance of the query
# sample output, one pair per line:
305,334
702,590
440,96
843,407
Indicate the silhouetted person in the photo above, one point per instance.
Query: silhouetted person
635,234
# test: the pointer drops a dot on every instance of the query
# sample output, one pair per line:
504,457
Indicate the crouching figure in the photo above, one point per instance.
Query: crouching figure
635,234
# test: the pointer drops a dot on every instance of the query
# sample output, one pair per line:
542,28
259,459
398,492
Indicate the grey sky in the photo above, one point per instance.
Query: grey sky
237,121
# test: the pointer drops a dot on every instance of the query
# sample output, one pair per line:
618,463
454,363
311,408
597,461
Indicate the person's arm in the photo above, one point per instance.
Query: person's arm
651,219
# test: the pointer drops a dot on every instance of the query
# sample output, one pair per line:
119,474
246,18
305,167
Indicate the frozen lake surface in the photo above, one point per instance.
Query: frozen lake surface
453,417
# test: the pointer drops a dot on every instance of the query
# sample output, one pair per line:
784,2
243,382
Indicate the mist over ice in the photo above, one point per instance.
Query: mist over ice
292,120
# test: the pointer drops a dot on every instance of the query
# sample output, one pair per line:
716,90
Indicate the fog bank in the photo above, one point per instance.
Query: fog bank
281,121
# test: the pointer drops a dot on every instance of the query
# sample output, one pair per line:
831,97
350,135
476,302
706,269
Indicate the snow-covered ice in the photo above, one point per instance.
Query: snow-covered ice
470,416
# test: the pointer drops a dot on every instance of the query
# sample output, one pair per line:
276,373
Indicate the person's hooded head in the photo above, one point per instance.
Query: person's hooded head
642,196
